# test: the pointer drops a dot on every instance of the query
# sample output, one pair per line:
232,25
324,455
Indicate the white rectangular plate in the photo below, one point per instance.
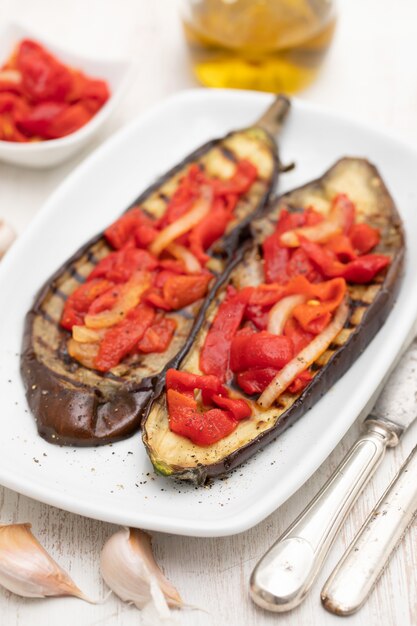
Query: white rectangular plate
116,483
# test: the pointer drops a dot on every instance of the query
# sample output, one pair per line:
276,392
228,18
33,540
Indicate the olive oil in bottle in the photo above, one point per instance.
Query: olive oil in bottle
268,45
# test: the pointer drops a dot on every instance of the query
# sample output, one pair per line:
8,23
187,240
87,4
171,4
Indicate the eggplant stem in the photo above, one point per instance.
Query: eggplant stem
273,118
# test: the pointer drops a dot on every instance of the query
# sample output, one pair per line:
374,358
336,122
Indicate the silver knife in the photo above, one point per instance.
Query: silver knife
283,576
355,575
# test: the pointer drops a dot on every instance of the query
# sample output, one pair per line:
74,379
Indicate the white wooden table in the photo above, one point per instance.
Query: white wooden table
370,75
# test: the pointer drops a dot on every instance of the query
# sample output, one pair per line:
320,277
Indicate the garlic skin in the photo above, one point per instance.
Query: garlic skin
129,568
7,236
27,569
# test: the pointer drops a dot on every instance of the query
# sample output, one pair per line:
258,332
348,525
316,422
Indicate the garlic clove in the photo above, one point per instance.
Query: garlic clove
129,568
7,236
27,569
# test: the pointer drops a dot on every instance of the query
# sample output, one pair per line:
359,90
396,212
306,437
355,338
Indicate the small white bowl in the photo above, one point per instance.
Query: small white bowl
54,151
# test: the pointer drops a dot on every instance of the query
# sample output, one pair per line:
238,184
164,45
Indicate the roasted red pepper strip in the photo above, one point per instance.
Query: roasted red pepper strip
180,291
126,227
241,181
202,428
50,120
78,303
256,380
158,336
360,270
123,337
280,263
314,316
51,99
342,248
301,382
12,108
43,76
260,350
187,192
120,266
214,356
209,230
364,238
238,407
185,382
299,337
106,300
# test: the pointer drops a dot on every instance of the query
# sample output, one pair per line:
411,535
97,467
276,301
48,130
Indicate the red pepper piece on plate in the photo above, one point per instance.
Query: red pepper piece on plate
342,248
106,300
256,380
123,337
238,407
209,230
180,291
313,316
126,227
154,297
299,337
361,270
187,192
121,265
202,428
364,238
214,356
280,264
301,382
260,350
300,265
185,382
158,336
77,304
43,76
245,175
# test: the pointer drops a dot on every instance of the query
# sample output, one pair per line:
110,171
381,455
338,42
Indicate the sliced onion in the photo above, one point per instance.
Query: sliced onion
191,263
305,358
183,224
281,311
11,76
319,233
128,300
84,353
82,334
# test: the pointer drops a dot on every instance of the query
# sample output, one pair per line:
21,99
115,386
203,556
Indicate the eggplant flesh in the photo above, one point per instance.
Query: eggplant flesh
370,304
78,406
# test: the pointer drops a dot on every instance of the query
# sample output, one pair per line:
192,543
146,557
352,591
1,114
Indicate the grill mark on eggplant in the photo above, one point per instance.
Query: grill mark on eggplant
369,308
228,153
47,317
73,272
98,395
91,257
57,292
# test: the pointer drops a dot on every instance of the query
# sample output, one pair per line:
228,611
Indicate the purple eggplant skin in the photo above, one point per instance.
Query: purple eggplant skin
76,406
369,307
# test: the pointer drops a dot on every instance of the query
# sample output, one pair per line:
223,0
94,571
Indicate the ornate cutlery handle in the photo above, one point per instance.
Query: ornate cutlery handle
285,573
357,572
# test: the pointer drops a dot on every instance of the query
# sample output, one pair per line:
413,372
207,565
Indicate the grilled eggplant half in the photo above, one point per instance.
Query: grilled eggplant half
369,305
73,404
